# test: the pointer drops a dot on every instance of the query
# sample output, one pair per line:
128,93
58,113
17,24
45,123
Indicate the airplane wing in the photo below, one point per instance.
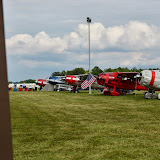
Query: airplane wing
56,78
83,77
65,86
130,75
80,77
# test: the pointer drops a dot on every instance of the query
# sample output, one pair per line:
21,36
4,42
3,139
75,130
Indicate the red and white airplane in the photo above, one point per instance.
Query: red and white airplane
115,81
41,82
77,80
151,80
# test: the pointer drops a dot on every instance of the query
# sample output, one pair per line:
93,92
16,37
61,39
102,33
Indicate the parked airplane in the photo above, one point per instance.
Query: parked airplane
151,80
41,82
57,82
121,81
76,81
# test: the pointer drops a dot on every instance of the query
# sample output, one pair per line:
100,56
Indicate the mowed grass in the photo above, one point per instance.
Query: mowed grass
68,126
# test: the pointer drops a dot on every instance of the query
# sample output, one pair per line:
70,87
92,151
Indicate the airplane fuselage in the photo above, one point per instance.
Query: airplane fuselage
76,81
150,79
55,80
112,80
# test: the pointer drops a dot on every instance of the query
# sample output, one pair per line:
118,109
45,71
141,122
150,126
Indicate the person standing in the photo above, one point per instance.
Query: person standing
24,86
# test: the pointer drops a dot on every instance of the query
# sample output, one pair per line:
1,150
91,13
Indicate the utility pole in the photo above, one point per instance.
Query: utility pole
89,21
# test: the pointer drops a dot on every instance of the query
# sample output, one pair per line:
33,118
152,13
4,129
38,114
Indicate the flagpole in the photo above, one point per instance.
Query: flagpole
89,21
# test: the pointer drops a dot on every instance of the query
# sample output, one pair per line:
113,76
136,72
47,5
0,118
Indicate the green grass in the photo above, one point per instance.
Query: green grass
68,126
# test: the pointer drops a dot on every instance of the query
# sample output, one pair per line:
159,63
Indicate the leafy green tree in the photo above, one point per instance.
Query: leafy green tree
108,70
87,72
55,74
78,71
134,69
119,69
96,70
27,81
139,70
126,69
63,73
69,73
10,82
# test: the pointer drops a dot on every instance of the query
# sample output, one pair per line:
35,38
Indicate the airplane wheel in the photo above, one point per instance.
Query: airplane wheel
150,95
147,95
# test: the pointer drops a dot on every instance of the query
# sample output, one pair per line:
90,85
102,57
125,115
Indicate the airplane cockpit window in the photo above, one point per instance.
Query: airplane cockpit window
57,78
54,78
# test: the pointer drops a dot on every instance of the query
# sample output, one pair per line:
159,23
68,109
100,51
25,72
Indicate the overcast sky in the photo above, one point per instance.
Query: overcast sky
44,36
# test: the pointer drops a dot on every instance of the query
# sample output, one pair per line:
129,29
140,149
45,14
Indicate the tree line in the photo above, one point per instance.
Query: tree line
96,70
25,81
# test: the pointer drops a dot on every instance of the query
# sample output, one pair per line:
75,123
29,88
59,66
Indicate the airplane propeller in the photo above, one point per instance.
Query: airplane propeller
138,76
104,78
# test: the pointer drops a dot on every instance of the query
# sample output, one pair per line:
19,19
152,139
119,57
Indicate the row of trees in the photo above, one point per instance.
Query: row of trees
75,71
96,70
25,81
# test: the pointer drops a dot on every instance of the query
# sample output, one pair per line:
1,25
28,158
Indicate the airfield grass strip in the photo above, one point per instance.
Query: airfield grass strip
67,126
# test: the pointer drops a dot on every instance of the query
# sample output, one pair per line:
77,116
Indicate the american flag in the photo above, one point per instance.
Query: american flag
90,79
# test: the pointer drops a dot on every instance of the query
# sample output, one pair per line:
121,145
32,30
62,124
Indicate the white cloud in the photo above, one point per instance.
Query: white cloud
22,44
134,36
130,45
138,35
125,59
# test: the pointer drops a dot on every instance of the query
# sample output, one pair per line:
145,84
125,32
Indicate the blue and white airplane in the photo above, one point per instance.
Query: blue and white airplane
59,83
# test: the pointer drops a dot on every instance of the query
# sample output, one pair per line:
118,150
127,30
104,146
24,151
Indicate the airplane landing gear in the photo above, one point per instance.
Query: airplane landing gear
75,90
107,91
150,95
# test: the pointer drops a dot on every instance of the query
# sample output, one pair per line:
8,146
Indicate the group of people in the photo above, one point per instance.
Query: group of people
23,88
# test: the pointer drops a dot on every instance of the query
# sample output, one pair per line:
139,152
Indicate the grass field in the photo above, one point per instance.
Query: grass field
68,126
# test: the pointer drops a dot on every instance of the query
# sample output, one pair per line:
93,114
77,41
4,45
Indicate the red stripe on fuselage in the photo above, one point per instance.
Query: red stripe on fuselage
153,78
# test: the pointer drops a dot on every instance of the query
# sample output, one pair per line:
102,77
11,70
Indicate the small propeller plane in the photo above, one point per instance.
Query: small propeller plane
77,80
121,81
151,80
41,82
57,81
